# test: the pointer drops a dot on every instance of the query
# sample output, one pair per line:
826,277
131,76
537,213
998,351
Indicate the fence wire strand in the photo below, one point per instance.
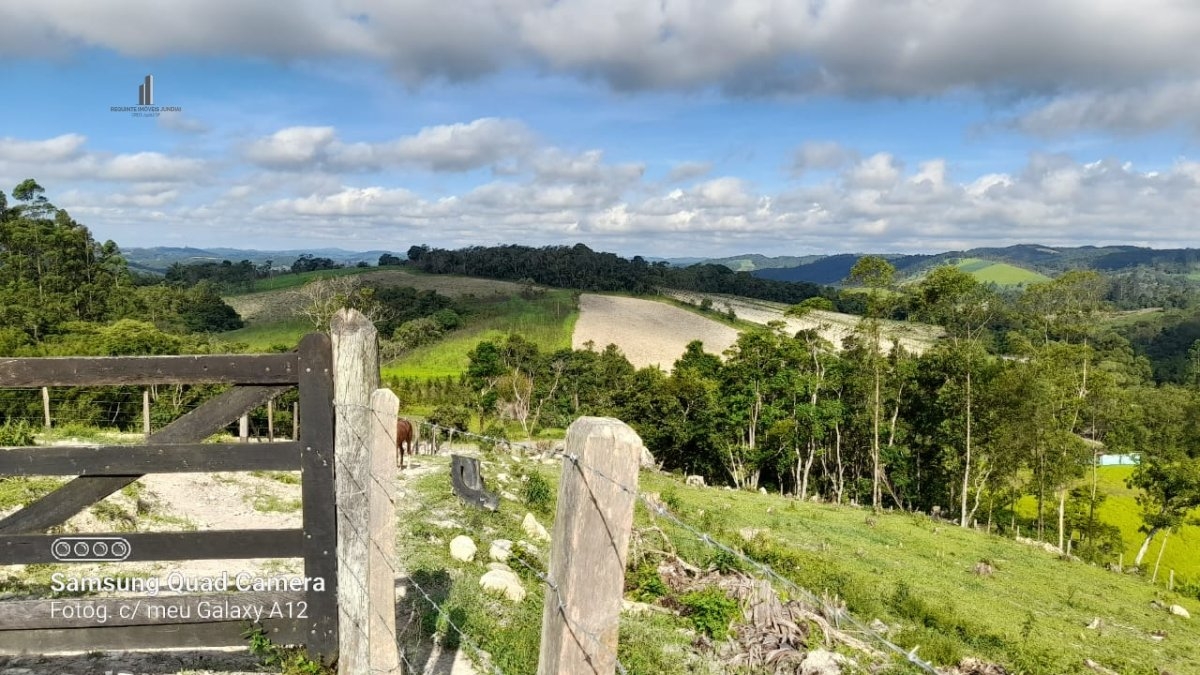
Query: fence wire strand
708,539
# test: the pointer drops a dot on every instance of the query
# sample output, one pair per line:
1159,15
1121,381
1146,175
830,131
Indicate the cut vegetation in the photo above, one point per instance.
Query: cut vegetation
648,333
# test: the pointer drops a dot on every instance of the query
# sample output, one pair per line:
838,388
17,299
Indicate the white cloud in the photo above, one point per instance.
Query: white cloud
450,147
819,155
684,171
859,47
50,150
1127,110
65,157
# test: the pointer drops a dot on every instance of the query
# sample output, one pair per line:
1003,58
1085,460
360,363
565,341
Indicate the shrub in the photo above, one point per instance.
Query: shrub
645,584
16,433
710,610
537,493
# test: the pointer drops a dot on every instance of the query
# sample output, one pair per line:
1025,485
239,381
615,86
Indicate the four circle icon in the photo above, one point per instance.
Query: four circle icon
90,549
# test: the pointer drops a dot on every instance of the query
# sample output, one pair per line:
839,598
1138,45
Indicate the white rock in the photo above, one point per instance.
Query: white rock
462,548
505,582
534,529
697,481
500,550
499,566
1179,610
509,496
502,478
821,662
647,460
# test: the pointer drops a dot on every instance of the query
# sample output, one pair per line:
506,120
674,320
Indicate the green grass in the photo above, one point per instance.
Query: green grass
262,336
547,320
914,574
295,280
508,632
1001,274
1120,508
911,571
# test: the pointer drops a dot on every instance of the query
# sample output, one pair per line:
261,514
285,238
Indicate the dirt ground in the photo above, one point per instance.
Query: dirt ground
833,326
206,502
647,332
280,305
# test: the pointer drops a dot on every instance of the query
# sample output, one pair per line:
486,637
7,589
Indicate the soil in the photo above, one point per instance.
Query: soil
647,332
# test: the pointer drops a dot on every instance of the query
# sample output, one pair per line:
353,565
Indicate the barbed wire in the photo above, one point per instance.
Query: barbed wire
661,510
463,637
575,628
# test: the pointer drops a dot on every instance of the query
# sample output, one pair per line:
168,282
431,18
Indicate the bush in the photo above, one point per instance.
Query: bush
645,584
16,433
537,493
710,610
450,417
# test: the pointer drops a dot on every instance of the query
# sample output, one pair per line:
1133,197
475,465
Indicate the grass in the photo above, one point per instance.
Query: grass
548,320
1001,274
1120,508
509,632
295,280
911,572
259,337
908,570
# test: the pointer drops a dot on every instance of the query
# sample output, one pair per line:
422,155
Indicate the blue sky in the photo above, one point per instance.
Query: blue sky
689,127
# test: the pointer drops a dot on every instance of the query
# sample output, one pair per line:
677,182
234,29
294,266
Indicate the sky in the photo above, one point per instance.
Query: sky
643,127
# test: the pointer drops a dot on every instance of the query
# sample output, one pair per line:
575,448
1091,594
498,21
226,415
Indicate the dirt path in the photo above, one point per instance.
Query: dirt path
833,326
647,332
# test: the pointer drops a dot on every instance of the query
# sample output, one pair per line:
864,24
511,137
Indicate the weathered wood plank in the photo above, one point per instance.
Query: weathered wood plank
146,610
356,368
141,638
589,550
92,371
122,460
25,549
58,506
317,490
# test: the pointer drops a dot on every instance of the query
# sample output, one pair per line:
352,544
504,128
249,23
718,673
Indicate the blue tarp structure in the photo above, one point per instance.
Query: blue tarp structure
1117,460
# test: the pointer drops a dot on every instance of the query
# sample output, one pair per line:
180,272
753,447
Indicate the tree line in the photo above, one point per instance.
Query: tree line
579,267
1018,399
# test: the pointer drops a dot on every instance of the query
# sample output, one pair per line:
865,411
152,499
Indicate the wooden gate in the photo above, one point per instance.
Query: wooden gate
291,615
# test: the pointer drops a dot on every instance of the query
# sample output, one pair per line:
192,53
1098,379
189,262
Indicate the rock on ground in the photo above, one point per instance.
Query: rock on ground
534,529
821,662
504,581
462,548
500,550
1179,610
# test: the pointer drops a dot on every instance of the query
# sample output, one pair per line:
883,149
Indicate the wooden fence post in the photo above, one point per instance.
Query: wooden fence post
295,421
589,549
46,405
146,412
244,429
364,451
271,420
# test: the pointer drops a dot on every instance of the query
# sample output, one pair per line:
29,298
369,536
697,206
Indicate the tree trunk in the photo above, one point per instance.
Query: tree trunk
876,493
967,462
1161,550
1137,562
1062,513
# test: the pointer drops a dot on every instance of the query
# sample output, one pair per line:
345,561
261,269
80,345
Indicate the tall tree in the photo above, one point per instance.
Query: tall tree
876,275
954,300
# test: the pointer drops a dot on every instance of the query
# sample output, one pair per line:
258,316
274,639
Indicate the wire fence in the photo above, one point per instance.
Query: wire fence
842,619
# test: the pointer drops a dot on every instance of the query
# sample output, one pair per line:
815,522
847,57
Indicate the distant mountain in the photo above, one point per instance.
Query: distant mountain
159,258
1010,265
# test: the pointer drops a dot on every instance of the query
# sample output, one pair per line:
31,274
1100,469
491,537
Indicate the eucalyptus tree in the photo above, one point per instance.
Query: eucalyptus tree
955,300
876,275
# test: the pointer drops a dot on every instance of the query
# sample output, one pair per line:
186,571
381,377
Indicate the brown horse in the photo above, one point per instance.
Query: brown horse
404,440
